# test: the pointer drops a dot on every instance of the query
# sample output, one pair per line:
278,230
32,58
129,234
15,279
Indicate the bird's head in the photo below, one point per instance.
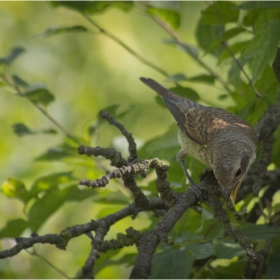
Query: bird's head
231,170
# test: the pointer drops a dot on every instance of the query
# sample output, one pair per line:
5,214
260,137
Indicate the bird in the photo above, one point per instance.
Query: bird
221,140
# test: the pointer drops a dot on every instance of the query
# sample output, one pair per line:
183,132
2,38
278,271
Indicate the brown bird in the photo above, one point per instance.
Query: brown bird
215,137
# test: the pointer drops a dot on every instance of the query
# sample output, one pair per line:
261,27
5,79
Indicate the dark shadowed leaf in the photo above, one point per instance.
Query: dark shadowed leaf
176,78
13,228
58,153
58,30
201,250
172,264
207,35
13,188
164,147
228,249
19,81
12,56
203,79
171,17
255,232
186,92
273,267
253,5
94,7
20,129
38,93
263,47
226,11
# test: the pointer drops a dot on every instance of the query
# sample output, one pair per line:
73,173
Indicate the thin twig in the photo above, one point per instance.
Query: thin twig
35,254
230,52
126,47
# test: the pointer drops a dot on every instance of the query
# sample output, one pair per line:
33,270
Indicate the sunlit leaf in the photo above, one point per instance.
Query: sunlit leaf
13,228
13,188
263,47
50,181
172,17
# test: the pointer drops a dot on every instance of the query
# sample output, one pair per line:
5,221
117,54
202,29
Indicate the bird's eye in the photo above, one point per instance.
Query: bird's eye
238,172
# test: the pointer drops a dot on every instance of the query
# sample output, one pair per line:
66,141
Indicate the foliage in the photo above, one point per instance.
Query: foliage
47,189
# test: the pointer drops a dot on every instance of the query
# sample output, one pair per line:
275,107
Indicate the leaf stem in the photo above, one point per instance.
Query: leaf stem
35,254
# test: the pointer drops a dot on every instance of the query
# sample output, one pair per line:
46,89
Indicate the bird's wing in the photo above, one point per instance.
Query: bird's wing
203,124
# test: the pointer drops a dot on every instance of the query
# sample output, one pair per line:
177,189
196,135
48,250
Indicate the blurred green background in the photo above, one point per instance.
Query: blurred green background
87,72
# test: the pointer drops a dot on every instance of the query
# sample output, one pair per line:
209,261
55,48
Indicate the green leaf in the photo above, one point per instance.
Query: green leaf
44,207
203,78
199,78
253,5
164,147
12,56
13,228
38,93
186,92
49,181
58,30
201,250
19,81
272,267
228,249
256,232
176,78
94,7
57,153
13,188
206,35
226,36
226,11
172,17
172,264
263,47
20,129
235,49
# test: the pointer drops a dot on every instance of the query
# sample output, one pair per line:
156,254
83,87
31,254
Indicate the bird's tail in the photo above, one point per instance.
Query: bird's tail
161,90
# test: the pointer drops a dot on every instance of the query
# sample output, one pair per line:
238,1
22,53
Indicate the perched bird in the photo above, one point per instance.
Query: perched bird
215,137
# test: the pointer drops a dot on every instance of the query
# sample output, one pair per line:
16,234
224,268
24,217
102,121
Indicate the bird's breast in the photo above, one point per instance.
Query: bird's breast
202,153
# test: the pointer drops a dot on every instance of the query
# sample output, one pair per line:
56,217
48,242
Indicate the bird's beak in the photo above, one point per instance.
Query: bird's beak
231,194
